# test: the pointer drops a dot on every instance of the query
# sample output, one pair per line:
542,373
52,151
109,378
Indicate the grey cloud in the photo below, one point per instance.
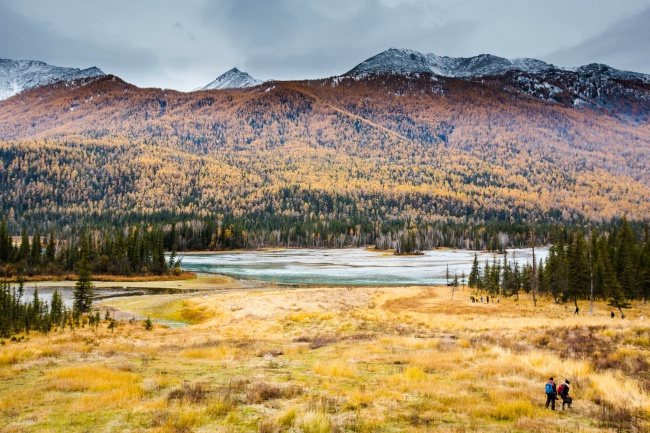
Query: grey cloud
25,39
186,44
307,38
624,45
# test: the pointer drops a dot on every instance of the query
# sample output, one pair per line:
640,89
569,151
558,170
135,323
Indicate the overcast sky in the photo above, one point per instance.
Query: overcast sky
186,44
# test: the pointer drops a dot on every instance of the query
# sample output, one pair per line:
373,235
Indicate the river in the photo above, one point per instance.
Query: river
353,266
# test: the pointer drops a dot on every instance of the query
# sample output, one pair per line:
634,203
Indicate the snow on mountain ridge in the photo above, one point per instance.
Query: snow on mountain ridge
232,79
17,76
405,61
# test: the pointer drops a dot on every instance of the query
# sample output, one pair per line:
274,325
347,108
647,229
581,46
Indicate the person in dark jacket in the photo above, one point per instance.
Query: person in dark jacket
551,393
563,392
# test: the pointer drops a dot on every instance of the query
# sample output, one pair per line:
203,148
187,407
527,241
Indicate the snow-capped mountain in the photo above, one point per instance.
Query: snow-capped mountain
594,85
233,79
403,61
19,75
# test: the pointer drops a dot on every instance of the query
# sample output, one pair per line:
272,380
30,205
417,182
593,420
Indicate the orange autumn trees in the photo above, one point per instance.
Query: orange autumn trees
385,150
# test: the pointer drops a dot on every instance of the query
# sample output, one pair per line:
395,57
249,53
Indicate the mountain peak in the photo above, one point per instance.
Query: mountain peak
405,61
17,76
232,79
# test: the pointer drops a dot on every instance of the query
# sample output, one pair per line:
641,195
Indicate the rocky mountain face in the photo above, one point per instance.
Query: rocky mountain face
233,79
17,76
403,61
595,85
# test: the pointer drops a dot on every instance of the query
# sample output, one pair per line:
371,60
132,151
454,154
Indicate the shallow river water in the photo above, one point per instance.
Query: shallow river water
354,266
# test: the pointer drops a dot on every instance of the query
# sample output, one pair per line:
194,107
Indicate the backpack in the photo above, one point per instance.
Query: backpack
560,389
549,388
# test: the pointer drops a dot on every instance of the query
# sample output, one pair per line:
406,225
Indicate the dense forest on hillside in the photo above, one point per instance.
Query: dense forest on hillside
364,154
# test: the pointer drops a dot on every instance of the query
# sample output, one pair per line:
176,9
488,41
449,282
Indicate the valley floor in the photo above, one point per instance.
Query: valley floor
332,360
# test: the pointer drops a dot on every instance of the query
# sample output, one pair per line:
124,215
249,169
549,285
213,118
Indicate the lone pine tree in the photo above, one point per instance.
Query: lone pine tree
83,289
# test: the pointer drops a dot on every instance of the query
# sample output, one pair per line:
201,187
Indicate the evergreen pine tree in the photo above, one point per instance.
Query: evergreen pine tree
83,290
487,275
644,272
24,250
5,241
50,251
611,286
36,249
56,308
474,274
578,275
626,260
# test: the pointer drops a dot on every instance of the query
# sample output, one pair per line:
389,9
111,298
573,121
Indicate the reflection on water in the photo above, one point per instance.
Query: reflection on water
355,266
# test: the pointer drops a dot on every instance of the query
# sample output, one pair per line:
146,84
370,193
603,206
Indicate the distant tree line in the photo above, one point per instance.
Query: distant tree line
132,251
612,266
139,249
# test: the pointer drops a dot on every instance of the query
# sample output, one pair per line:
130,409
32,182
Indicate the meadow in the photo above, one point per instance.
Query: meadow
361,359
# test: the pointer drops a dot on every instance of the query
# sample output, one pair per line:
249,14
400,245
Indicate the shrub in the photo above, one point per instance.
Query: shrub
188,393
262,391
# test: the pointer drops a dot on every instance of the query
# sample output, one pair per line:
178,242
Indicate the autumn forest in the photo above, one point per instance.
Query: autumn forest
386,160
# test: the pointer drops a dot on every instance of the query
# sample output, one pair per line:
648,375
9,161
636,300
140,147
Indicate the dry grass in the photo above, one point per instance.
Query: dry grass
332,360
333,369
89,378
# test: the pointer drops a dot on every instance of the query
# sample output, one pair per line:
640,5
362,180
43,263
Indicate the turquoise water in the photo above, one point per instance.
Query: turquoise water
354,266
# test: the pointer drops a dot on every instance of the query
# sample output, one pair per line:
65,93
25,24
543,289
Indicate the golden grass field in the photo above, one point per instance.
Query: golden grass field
333,360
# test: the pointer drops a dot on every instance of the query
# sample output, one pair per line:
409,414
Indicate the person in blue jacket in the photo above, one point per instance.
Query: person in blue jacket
551,393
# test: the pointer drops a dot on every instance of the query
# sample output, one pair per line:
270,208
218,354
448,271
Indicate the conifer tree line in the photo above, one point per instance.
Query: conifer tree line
19,315
139,249
612,266
133,251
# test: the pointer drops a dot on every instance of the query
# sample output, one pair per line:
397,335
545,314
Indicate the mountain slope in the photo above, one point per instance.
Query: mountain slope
17,76
232,79
381,149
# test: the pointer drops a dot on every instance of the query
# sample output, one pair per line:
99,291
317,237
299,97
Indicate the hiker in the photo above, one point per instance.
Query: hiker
563,392
551,393
576,311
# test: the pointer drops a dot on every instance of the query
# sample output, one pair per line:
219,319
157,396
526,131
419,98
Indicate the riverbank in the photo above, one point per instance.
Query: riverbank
196,282
105,278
